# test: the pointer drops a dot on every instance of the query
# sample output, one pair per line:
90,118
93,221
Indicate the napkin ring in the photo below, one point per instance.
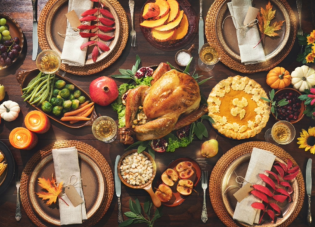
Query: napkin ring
243,28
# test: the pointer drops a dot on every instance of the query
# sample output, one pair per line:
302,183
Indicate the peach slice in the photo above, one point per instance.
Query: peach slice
182,29
185,187
151,10
164,8
174,10
154,23
169,177
164,193
172,25
162,36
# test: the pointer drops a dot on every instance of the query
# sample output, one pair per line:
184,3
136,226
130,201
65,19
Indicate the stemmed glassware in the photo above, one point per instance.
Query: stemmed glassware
208,58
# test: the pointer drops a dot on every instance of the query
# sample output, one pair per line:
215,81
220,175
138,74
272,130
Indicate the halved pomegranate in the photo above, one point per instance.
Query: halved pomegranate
183,132
159,145
185,187
169,177
144,72
124,98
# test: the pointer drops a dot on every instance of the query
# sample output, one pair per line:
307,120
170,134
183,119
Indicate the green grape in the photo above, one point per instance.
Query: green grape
2,28
0,37
3,21
5,38
5,33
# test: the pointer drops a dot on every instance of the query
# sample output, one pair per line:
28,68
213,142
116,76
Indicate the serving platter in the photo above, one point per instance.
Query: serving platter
15,31
229,56
7,176
173,45
239,168
226,31
52,23
225,163
92,181
177,199
94,167
24,77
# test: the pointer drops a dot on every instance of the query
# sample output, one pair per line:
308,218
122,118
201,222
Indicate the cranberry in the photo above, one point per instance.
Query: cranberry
295,117
298,104
290,94
291,116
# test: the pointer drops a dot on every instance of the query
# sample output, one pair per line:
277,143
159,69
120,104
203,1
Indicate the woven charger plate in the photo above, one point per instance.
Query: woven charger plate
98,66
228,60
91,152
225,161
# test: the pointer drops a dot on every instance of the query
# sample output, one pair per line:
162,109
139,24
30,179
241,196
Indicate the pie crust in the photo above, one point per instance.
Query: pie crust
237,109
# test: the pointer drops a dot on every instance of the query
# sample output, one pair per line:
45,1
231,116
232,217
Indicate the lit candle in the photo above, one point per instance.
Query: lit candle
22,138
37,121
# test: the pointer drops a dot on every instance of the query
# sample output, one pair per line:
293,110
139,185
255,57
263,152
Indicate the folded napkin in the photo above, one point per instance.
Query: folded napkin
66,163
249,55
260,161
71,52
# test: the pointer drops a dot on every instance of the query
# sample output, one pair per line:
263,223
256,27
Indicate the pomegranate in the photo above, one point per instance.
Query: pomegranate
159,145
144,72
183,132
103,91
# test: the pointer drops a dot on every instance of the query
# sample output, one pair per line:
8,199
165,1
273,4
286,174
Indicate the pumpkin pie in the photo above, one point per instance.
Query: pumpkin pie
237,109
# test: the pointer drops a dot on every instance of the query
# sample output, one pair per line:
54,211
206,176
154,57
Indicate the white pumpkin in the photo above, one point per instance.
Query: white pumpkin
9,110
303,78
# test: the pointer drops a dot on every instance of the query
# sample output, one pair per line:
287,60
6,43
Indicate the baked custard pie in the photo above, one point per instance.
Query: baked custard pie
237,109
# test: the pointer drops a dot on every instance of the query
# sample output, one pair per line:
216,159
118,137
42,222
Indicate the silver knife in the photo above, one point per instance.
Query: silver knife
35,36
201,29
118,190
309,188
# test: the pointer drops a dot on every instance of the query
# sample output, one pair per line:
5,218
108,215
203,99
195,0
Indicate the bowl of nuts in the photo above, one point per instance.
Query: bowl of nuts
137,171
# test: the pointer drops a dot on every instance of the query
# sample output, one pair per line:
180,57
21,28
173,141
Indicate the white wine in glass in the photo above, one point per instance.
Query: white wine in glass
282,132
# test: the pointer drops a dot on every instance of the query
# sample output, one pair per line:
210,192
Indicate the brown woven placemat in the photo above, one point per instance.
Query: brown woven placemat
98,66
94,154
225,161
229,61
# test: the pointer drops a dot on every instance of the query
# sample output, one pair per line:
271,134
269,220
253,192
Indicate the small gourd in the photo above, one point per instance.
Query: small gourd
9,110
303,78
278,78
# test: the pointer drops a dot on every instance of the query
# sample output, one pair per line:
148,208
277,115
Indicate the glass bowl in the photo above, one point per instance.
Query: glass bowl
48,61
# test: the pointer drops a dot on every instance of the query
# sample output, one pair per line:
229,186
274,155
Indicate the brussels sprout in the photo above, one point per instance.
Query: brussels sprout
57,102
46,107
60,84
57,110
71,97
77,94
75,104
59,97
70,87
53,100
67,104
81,99
65,93
56,92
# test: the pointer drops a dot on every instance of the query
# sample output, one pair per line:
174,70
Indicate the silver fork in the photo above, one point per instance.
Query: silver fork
299,9
18,214
133,33
204,185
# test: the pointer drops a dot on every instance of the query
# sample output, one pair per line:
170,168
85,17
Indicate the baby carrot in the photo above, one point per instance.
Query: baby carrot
75,118
76,112
85,113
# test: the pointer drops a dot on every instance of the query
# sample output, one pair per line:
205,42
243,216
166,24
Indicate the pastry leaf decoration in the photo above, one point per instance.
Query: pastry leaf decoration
264,21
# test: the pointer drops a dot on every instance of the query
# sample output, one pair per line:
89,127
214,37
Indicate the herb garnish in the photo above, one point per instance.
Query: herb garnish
275,104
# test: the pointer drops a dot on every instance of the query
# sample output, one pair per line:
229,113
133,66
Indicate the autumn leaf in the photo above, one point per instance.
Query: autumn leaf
52,189
264,21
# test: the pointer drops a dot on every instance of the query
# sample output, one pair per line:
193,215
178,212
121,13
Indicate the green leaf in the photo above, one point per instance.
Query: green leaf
138,206
172,67
307,102
126,223
303,97
132,206
146,206
143,146
265,99
187,69
130,214
124,72
157,214
206,117
204,81
192,131
273,109
122,76
307,91
151,152
200,130
272,94
130,72
136,66
283,102
300,57
136,144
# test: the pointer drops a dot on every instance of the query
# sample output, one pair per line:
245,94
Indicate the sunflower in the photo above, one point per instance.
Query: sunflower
310,40
309,58
307,140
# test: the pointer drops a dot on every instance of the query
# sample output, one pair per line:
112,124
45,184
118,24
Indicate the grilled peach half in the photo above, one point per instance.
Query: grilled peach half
164,193
185,187
169,177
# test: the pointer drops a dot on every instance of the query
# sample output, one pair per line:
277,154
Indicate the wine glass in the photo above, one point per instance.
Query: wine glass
48,61
208,58
282,132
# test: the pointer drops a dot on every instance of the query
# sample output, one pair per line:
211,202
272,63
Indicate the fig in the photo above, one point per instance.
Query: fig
103,91
183,132
210,148
144,72
159,145
164,193
185,187
169,177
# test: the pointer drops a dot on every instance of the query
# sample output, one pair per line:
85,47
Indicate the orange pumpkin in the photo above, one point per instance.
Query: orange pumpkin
278,78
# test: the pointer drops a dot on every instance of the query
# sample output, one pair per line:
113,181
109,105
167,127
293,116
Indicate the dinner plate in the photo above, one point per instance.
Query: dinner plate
226,31
239,168
173,45
177,199
92,181
15,31
7,176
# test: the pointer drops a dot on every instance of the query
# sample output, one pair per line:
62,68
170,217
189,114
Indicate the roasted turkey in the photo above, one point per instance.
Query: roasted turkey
172,96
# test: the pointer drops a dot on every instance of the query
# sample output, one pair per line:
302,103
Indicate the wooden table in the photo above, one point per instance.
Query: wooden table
188,214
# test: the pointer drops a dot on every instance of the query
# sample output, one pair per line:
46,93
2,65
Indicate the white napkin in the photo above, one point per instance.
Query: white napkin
260,161
249,55
66,163
71,52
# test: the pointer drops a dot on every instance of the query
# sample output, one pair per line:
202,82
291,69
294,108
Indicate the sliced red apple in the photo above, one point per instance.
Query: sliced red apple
164,193
187,173
183,166
169,177
185,187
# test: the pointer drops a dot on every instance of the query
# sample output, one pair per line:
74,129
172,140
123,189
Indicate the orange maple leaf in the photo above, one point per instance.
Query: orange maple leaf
52,189
264,21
